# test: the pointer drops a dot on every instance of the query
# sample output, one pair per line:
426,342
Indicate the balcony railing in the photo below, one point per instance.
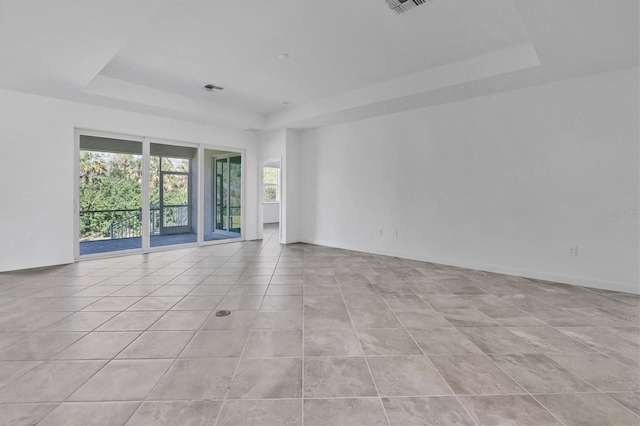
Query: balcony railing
127,223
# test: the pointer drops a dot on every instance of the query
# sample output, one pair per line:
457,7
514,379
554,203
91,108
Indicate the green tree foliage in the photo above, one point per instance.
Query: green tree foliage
270,183
113,181
107,182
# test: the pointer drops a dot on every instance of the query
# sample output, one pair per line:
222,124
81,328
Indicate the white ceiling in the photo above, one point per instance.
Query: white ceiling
349,59
335,47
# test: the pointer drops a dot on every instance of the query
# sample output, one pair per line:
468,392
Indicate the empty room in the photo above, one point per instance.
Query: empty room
319,212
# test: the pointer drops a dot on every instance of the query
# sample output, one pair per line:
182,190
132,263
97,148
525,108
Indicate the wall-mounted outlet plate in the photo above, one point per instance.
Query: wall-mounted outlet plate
572,251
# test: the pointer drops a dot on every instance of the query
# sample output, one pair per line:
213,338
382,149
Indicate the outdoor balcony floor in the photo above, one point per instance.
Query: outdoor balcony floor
105,246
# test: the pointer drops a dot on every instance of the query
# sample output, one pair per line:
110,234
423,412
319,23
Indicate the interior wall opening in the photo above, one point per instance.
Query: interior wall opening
271,200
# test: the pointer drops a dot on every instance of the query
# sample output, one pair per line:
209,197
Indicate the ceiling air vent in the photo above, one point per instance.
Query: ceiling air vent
213,88
401,6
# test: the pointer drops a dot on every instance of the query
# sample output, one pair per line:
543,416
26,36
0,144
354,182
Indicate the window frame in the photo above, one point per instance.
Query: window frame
277,185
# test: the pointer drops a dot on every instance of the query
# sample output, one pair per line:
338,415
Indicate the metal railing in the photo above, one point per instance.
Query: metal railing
111,223
131,226
223,222
119,227
176,215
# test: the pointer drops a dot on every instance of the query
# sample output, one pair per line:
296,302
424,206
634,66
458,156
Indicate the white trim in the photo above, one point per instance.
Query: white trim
76,193
500,269
146,195
20,266
200,200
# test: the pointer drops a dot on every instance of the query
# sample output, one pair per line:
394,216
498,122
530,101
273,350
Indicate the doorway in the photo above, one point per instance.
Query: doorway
271,199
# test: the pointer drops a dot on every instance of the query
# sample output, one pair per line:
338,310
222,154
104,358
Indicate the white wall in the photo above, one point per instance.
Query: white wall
293,189
504,183
37,156
271,212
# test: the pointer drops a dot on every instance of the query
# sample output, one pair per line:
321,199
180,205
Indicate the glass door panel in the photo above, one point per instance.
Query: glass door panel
228,196
173,195
110,195
222,194
223,198
235,194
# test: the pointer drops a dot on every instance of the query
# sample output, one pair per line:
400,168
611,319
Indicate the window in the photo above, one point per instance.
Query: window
270,188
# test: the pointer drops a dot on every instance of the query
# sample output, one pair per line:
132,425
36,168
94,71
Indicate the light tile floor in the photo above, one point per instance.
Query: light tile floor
317,336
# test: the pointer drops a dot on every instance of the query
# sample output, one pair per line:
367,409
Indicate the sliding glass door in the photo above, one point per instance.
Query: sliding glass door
228,195
137,195
235,194
222,194
173,195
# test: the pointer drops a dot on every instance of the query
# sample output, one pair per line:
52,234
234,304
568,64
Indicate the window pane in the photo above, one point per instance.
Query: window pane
176,189
270,192
175,164
270,175
270,181
110,196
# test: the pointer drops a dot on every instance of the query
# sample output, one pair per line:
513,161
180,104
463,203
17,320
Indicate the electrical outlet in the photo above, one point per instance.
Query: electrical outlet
572,251
381,232
395,233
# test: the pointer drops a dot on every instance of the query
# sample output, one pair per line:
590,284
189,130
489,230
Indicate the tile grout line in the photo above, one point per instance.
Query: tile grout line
571,372
364,355
240,358
173,362
112,359
302,394
200,259
523,388
425,355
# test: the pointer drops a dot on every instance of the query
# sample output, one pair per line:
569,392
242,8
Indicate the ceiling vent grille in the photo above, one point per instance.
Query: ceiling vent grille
213,88
401,6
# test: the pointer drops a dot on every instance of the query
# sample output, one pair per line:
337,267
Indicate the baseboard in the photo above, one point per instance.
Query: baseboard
29,265
500,269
